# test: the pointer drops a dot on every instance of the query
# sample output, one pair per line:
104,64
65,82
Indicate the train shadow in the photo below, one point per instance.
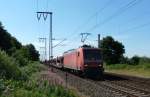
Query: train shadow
106,76
113,77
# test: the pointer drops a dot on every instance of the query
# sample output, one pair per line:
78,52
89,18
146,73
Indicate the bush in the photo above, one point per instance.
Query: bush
9,67
124,60
144,60
134,60
32,67
2,86
18,55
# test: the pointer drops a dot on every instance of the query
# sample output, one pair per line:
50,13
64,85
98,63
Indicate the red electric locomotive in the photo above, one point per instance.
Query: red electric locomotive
84,60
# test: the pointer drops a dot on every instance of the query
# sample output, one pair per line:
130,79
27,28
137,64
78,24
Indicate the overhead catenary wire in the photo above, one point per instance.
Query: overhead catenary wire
59,43
94,15
37,5
76,31
134,28
119,12
137,27
47,4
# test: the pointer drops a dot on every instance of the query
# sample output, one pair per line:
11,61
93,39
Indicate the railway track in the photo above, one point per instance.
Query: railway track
123,90
112,86
131,78
132,85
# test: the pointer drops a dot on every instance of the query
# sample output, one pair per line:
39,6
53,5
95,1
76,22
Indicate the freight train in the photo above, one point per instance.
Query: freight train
86,61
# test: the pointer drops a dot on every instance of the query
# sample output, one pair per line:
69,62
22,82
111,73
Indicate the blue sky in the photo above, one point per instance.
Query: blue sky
131,26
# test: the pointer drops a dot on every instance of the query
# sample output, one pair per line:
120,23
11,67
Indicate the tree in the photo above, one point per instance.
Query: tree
7,42
135,60
14,48
15,43
5,39
124,60
33,53
25,54
144,60
112,50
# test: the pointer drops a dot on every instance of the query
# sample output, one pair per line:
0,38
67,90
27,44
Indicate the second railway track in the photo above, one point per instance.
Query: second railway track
123,90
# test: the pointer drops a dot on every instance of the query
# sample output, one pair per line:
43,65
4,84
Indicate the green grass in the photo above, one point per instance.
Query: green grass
141,70
23,81
32,88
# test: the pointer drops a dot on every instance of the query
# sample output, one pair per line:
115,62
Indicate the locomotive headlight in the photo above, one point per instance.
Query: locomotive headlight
85,65
100,65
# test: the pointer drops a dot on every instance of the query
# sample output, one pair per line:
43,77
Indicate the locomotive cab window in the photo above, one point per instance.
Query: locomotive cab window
92,55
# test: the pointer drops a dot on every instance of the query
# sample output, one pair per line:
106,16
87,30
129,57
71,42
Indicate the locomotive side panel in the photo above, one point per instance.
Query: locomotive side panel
70,60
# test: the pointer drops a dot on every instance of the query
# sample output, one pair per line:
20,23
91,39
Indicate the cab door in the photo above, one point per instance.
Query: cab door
80,60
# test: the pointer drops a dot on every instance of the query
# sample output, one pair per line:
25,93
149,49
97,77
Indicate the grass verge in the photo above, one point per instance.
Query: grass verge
141,70
32,87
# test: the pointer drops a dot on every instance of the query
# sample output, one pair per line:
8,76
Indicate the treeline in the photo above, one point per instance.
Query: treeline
17,63
19,71
113,53
14,55
135,60
8,43
14,48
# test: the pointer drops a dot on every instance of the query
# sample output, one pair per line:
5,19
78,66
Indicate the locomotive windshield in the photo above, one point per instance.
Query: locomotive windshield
92,55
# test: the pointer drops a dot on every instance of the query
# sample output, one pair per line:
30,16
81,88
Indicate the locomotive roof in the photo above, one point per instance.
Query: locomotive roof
73,50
